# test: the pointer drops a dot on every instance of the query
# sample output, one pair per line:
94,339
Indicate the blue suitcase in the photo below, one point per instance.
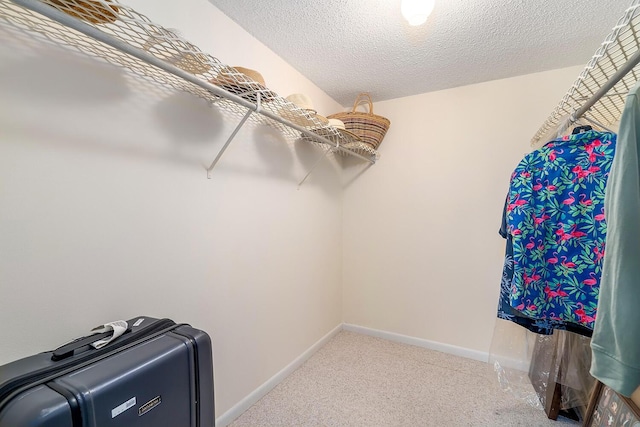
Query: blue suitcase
158,373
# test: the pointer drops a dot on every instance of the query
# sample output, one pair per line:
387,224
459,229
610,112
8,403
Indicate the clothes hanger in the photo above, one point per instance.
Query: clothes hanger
590,120
580,126
581,129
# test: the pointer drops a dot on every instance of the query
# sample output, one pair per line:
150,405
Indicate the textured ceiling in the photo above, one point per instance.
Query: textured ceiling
351,46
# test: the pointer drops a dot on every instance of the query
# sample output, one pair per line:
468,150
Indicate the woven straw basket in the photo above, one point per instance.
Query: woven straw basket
368,126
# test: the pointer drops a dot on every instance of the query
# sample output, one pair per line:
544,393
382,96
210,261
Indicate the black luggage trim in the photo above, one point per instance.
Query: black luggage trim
74,406
42,376
196,363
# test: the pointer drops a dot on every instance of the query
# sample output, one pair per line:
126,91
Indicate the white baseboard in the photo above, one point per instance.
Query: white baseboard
419,342
237,410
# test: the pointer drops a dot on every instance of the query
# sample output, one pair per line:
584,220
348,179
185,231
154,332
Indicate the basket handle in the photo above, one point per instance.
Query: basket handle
363,97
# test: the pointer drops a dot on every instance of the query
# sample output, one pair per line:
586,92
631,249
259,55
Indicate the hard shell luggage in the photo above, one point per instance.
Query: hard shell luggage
158,373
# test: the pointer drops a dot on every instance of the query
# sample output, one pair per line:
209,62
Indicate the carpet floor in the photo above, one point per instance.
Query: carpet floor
358,380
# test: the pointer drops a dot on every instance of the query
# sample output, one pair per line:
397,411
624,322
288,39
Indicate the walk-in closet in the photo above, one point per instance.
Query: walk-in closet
381,213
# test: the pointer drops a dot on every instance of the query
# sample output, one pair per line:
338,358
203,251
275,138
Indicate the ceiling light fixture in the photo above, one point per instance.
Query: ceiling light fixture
416,12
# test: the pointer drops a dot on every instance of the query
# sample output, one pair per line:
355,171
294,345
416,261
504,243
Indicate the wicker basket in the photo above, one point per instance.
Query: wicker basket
368,126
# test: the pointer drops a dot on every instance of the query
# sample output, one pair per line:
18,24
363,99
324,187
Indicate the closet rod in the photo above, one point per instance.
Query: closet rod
622,71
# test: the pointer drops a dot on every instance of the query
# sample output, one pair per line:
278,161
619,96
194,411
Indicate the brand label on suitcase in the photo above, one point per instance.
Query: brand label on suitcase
149,405
121,408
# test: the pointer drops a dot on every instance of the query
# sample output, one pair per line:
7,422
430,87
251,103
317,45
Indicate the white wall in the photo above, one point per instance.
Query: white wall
106,212
422,254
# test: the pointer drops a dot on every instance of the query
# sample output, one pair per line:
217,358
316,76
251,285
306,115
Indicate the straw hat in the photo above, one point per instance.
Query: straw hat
168,45
89,10
310,116
194,64
302,101
243,82
326,131
234,75
339,124
252,74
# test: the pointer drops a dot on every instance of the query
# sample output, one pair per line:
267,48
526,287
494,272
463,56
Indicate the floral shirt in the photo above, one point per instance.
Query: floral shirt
555,217
506,312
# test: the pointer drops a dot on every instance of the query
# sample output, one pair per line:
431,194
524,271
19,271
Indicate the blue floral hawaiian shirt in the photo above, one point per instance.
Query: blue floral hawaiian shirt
555,218
506,312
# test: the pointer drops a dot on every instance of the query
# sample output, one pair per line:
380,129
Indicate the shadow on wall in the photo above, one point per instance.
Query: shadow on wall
313,159
272,147
271,156
72,101
67,79
353,173
189,120
276,152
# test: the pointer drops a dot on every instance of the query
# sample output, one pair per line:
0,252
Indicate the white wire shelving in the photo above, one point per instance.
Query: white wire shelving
121,36
598,95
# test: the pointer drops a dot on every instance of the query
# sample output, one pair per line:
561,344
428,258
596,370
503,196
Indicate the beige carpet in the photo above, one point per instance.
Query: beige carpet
358,380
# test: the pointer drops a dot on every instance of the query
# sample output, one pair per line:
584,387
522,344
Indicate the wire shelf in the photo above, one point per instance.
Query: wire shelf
117,34
616,51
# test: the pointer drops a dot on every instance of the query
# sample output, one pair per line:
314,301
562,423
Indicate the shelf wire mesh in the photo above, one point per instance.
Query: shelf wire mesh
128,26
618,47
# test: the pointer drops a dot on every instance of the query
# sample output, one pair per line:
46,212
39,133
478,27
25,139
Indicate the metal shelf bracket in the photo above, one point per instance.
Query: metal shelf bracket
320,159
233,135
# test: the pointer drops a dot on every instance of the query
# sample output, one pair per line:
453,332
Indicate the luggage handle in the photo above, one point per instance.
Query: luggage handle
12,388
71,348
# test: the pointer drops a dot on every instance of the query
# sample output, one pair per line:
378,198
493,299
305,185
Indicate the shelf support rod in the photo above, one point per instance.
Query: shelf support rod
321,158
226,144
234,133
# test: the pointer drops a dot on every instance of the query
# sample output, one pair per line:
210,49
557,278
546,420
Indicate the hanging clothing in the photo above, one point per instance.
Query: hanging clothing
616,338
555,217
507,312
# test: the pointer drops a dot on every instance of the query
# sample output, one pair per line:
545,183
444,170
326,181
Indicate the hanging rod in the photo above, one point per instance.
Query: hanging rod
114,42
585,98
623,71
